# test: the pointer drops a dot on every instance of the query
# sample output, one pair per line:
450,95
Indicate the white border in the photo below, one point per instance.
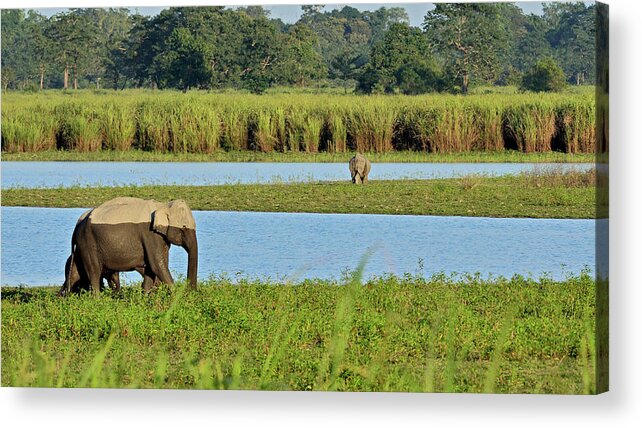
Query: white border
620,407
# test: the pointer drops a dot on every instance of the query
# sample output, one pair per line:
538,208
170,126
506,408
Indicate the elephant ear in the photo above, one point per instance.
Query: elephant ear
180,215
160,221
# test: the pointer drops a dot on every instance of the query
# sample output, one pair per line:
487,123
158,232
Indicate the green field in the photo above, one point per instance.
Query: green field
400,156
201,122
391,334
544,194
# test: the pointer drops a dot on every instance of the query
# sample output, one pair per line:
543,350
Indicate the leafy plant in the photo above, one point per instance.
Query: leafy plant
544,76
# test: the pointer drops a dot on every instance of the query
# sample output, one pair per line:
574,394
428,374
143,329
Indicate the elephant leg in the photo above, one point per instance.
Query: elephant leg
95,281
114,282
71,277
149,279
74,281
163,275
93,271
160,270
357,179
148,283
364,180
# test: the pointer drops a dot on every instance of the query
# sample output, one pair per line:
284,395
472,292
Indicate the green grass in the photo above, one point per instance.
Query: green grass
539,194
202,122
510,156
464,334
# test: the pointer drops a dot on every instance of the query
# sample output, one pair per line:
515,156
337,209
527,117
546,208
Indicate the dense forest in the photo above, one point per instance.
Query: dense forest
244,48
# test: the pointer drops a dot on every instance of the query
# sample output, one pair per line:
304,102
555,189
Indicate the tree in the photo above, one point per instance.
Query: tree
301,62
531,43
244,48
76,43
254,11
572,36
261,53
382,19
311,12
211,33
41,45
346,35
401,62
120,64
544,76
418,78
184,64
18,68
114,25
344,67
472,39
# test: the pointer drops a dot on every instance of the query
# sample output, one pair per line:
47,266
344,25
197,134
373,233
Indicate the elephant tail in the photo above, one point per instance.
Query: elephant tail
66,287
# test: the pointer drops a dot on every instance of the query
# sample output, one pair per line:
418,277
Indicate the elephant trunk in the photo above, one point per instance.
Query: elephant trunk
191,246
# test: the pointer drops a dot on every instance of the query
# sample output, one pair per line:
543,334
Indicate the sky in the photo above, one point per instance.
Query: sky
291,13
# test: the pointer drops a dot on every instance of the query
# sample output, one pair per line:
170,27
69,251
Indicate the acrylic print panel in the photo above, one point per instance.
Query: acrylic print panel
408,197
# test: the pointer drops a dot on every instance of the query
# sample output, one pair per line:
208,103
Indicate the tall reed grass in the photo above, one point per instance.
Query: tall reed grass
118,127
336,123
171,122
79,127
235,132
153,127
577,126
531,126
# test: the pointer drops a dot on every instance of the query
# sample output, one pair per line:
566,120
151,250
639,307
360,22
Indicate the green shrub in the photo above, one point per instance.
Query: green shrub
544,76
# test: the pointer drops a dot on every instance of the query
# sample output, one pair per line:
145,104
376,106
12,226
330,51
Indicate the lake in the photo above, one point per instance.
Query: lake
66,174
36,243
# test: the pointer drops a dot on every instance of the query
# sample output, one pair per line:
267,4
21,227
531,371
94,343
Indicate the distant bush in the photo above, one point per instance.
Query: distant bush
418,78
544,76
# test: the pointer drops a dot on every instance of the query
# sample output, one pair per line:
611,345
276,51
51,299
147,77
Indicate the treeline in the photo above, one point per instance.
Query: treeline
243,48
197,122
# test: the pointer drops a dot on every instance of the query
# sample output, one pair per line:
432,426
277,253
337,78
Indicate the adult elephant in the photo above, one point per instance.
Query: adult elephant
126,234
359,169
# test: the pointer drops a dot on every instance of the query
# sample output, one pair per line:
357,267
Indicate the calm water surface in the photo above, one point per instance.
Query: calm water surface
66,174
36,243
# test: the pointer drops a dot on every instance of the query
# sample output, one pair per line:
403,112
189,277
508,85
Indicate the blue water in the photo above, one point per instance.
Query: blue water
36,243
66,174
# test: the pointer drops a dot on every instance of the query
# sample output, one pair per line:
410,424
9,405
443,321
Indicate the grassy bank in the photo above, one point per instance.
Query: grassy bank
536,194
392,334
199,122
510,156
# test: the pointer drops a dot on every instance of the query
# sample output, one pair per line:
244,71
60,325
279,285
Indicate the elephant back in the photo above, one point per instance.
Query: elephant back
83,216
124,210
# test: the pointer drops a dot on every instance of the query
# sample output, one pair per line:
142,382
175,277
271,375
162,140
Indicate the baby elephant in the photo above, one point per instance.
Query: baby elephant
359,169
77,283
